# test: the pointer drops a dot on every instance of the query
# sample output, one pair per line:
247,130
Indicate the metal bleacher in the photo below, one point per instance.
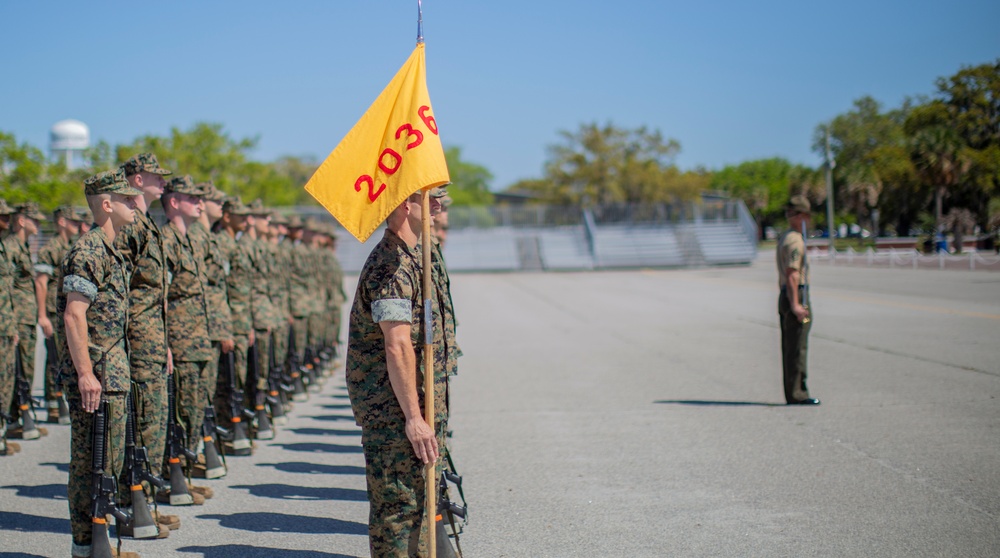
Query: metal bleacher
544,238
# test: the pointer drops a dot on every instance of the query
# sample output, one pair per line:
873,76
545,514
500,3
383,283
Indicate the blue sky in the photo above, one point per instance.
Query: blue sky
731,81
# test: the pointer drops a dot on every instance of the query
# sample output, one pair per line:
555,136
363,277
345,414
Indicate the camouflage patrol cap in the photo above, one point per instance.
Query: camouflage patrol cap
439,192
295,222
798,204
234,206
5,209
182,185
210,193
81,215
256,207
279,219
313,225
109,182
143,162
30,210
65,211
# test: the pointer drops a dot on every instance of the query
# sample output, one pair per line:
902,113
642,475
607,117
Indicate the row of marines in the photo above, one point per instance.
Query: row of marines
167,344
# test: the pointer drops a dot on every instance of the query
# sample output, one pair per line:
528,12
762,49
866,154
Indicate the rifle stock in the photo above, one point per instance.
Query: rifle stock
104,487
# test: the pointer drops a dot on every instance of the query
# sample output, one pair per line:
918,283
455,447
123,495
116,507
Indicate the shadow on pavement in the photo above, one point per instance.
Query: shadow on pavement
64,467
43,491
324,432
267,522
20,555
245,551
334,406
25,523
311,447
315,468
290,492
699,403
333,418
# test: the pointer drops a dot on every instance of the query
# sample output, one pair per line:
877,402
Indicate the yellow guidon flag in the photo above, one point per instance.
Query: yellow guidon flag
393,151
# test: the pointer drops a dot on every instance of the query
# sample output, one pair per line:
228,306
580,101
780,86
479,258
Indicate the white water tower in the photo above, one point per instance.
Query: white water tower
67,141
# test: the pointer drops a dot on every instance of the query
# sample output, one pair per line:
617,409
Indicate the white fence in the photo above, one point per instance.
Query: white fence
907,259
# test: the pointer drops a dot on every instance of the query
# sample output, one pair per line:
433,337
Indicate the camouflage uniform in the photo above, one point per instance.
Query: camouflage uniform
187,321
239,277
301,278
214,266
23,293
335,297
50,263
278,265
314,320
442,284
141,243
262,310
389,289
97,270
8,328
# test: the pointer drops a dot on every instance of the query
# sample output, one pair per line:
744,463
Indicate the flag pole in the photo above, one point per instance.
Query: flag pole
430,469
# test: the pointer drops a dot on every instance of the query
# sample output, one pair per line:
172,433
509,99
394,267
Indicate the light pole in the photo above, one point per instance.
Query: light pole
829,164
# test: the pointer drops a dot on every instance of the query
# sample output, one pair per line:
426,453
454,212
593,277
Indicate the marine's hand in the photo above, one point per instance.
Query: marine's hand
228,345
801,312
90,391
422,438
170,362
252,338
46,325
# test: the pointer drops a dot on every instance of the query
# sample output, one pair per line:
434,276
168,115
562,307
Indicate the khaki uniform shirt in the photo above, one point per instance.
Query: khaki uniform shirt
97,270
791,255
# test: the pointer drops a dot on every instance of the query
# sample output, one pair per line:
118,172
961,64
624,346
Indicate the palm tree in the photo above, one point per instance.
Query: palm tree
939,157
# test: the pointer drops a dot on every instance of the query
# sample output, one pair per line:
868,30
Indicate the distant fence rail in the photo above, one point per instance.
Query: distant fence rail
906,259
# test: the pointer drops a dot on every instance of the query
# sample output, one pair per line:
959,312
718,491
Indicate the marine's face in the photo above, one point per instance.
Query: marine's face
261,223
122,209
189,206
213,209
151,184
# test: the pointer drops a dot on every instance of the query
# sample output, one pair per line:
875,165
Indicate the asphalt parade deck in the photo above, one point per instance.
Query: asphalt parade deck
640,414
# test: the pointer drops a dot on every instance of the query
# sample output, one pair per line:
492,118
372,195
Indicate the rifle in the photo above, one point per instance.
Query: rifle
805,272
25,403
296,368
264,430
215,467
449,509
52,358
179,493
240,441
278,396
103,489
142,524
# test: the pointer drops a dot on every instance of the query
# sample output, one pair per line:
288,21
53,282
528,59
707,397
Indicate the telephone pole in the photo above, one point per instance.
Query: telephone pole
829,164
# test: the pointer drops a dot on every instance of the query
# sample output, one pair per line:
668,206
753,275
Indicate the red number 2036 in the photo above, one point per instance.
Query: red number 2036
391,165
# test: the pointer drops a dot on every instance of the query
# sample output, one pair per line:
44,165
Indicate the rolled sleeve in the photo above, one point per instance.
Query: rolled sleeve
77,284
44,269
392,310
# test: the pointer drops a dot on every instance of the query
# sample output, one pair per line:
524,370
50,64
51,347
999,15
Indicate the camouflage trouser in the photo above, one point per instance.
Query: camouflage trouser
300,330
81,461
333,326
281,343
212,372
396,519
263,361
150,379
315,327
223,410
52,389
26,346
6,376
192,396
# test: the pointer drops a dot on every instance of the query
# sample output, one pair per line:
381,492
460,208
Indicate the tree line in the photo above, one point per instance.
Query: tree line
932,163
206,152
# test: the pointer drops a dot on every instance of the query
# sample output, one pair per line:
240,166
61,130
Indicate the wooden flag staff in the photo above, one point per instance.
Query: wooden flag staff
430,469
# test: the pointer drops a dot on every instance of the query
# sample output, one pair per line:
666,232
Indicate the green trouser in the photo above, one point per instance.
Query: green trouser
794,350
263,344
81,461
212,372
397,526
150,381
315,325
300,331
192,396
